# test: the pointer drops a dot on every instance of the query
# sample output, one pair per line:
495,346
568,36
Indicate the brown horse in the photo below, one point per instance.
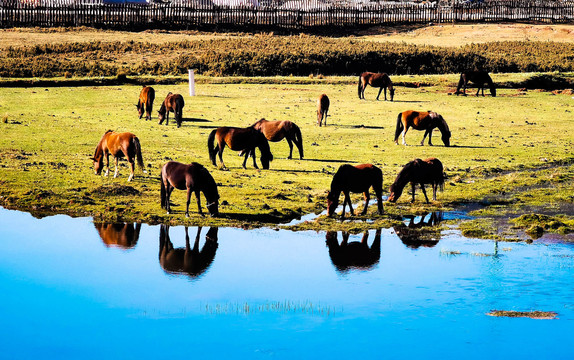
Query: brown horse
239,139
424,120
122,235
380,80
354,255
193,178
476,77
173,103
278,130
428,171
322,109
357,179
119,145
189,261
145,102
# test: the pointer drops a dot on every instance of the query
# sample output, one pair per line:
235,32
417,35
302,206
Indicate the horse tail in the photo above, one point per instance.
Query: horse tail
400,126
163,191
139,153
210,146
298,137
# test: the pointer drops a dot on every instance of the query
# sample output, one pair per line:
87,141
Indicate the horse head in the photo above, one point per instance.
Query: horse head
445,131
266,155
392,92
332,203
98,164
395,192
492,90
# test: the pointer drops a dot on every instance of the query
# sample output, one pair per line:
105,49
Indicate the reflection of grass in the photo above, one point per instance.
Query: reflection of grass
528,314
282,307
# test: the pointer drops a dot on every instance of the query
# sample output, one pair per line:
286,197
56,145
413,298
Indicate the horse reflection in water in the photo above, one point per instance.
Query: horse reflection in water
354,255
424,233
187,261
122,235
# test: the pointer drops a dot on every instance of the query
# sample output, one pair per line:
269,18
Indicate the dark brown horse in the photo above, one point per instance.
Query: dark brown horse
122,235
322,109
278,130
239,139
421,120
193,178
380,80
354,255
189,261
479,78
356,179
173,103
428,171
118,145
145,102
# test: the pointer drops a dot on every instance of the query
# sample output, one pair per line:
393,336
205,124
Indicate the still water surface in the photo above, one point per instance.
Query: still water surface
75,289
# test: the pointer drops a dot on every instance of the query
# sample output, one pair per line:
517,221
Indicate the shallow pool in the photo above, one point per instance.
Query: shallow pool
75,289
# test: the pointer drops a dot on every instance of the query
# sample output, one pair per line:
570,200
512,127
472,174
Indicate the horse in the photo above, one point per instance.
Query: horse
119,145
173,103
425,232
380,80
322,109
477,77
423,120
357,179
189,261
354,255
145,102
193,178
239,139
122,235
428,171
278,130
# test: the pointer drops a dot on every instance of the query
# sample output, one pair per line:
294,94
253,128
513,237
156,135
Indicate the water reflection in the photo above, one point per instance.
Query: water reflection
353,255
122,235
189,261
423,232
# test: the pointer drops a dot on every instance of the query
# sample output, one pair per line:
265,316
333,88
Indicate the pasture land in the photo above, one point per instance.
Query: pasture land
511,154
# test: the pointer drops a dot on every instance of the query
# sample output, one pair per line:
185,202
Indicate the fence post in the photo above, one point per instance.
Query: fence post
191,82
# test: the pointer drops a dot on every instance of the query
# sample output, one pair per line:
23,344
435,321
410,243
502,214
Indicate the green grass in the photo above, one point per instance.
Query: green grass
512,151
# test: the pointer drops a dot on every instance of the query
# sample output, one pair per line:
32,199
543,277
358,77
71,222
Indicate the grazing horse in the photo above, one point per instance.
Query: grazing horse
278,130
173,103
354,255
189,261
428,171
122,235
239,139
145,102
476,77
193,178
322,109
380,80
119,145
357,179
424,120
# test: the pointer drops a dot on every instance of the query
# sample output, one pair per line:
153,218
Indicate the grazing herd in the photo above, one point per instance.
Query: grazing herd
356,179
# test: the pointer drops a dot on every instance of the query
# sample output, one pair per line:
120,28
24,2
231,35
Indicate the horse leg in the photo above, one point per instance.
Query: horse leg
168,189
221,146
403,135
367,198
430,135
197,195
117,171
424,192
132,169
253,156
413,192
424,137
379,94
187,201
434,186
385,93
246,156
290,148
348,200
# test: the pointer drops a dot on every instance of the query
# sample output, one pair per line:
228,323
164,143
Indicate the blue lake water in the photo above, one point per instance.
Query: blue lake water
75,289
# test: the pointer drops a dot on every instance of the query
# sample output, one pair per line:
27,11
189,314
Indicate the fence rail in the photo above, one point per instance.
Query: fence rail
291,15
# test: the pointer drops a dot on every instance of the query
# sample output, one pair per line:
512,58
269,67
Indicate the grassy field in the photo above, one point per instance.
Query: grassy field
509,153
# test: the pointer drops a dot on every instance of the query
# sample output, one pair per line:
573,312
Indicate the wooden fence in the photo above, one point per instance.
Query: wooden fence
290,15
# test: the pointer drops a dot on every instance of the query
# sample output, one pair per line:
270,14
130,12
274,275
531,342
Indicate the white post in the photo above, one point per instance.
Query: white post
191,83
